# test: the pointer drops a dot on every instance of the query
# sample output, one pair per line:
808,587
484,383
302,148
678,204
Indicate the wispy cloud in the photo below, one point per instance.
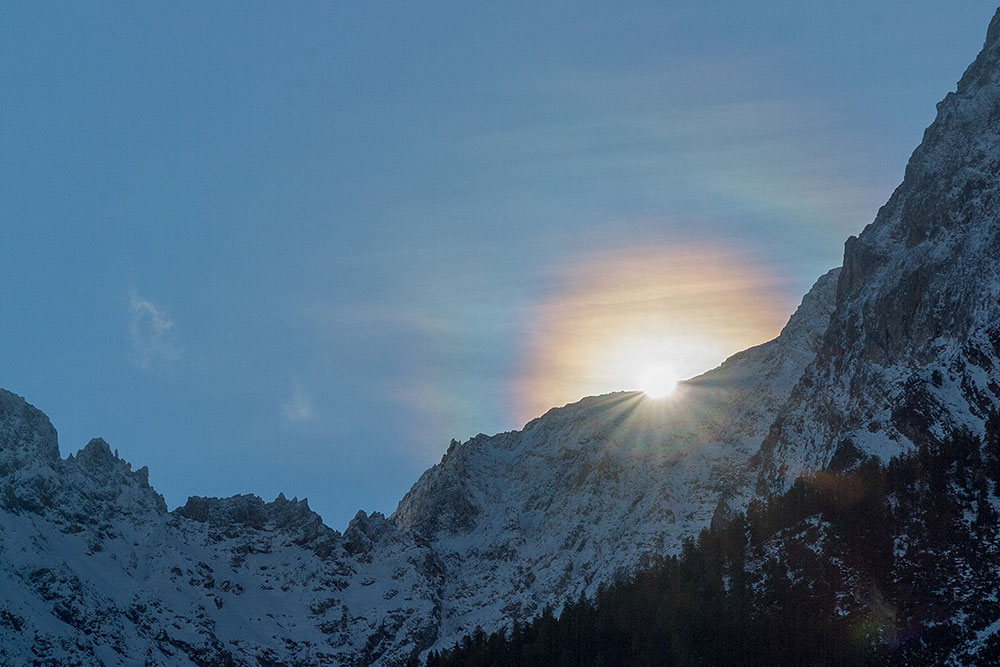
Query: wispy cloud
299,407
709,134
152,341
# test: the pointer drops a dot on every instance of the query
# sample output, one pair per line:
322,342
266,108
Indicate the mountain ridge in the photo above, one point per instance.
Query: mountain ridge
912,350
384,590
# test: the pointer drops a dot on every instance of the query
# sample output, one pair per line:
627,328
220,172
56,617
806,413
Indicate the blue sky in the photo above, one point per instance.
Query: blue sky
297,248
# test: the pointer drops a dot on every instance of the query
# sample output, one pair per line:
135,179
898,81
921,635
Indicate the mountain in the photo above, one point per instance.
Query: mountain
599,487
887,354
880,565
97,571
913,345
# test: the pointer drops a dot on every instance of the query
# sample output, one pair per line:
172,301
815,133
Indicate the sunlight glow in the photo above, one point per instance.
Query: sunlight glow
658,382
611,316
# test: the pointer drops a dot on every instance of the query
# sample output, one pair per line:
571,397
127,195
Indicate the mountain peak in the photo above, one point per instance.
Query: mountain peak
912,350
96,455
983,68
801,330
25,434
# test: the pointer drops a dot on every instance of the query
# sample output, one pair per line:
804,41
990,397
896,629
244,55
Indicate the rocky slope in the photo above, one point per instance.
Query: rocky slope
97,572
913,346
879,565
534,517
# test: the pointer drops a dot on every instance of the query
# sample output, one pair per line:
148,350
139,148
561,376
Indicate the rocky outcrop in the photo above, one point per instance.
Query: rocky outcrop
912,350
97,572
88,488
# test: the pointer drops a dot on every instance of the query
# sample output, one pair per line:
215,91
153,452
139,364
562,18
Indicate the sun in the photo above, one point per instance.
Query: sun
658,381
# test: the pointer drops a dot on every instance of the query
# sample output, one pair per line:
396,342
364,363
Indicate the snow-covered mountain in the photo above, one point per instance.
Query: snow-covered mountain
913,346
97,571
893,350
534,517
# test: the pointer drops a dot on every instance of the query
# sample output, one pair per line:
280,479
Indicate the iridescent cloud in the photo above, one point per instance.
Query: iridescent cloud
614,315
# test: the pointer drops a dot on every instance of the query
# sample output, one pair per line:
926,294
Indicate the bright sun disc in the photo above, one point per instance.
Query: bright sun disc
658,382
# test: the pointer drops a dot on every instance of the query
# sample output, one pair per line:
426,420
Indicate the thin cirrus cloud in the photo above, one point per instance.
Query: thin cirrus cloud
698,136
153,344
439,360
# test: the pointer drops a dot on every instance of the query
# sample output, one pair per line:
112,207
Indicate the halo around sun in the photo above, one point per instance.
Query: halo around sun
641,318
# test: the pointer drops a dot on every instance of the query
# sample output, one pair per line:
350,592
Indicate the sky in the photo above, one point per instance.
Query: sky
299,247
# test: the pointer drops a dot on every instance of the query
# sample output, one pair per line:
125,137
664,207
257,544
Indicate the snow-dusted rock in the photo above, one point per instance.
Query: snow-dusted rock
913,346
97,572
532,518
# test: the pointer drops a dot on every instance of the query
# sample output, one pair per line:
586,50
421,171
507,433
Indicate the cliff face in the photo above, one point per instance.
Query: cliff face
913,345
